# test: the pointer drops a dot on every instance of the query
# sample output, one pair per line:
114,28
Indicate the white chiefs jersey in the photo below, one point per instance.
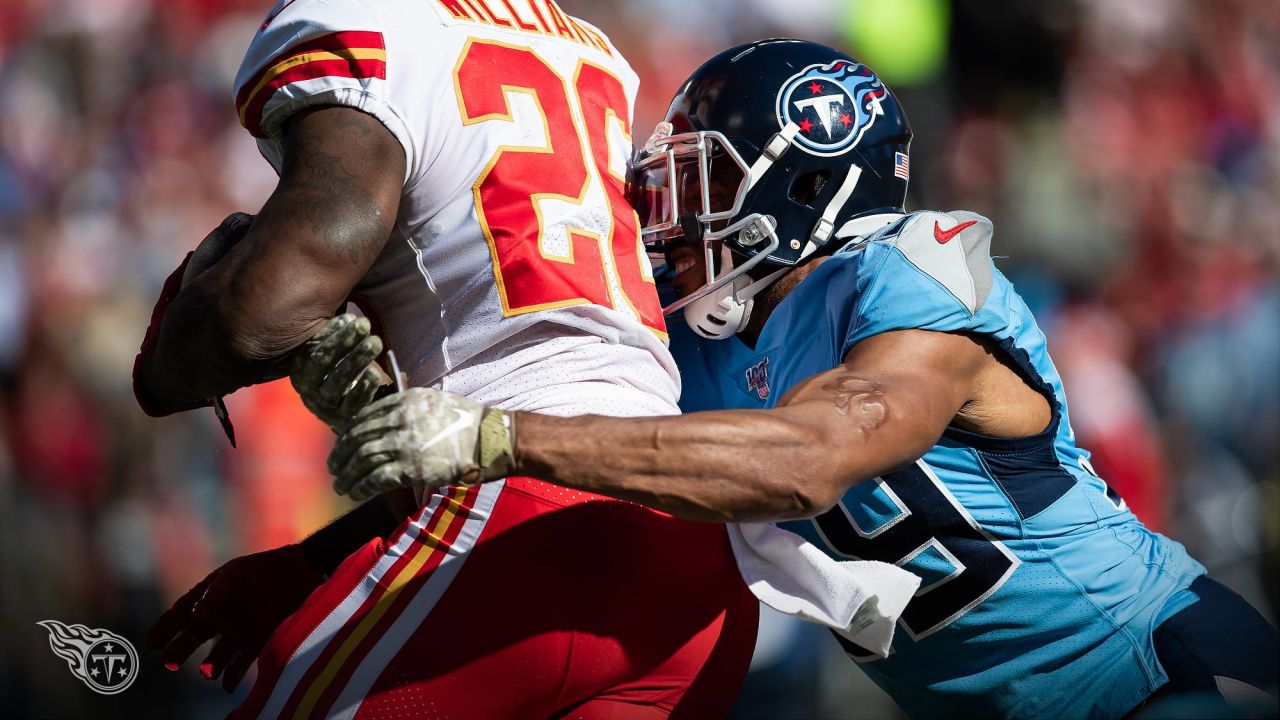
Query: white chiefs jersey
515,274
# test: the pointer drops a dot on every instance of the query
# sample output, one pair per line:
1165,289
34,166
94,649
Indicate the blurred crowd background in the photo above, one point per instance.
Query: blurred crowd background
1128,152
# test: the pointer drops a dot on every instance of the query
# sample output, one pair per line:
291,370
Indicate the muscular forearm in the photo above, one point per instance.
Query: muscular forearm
716,466
795,460
828,432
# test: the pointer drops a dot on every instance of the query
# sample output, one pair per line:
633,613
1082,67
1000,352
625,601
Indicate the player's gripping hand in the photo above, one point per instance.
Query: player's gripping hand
217,244
335,372
422,437
242,603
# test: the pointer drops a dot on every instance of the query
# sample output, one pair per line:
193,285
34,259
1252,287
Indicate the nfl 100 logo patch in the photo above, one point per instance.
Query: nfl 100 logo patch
758,379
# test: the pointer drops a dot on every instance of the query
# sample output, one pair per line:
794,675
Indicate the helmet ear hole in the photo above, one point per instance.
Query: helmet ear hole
805,188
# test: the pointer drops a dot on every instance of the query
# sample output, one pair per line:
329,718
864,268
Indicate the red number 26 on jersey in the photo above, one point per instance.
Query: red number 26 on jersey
510,190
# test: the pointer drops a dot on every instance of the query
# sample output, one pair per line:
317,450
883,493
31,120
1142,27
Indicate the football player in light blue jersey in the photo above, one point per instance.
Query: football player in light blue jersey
872,380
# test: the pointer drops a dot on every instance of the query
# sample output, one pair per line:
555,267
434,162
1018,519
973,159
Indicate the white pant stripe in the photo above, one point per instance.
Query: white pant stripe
415,613
315,643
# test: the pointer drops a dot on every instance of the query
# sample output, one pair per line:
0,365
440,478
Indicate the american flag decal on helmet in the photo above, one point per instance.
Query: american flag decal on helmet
901,165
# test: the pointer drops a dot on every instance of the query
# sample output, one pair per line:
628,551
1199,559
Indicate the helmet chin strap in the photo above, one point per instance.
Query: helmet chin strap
726,311
773,150
826,223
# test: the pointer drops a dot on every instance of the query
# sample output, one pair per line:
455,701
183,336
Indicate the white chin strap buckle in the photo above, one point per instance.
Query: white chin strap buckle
721,314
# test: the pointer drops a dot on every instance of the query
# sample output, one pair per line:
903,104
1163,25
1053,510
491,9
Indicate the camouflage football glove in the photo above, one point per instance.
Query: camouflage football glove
422,438
336,373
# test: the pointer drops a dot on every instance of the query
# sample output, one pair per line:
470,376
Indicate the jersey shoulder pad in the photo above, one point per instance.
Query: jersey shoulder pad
928,271
315,52
952,248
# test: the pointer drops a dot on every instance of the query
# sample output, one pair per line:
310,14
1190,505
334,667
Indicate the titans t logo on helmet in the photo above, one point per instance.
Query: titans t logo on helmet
833,104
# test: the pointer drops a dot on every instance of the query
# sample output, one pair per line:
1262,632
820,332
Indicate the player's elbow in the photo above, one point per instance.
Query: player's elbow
789,499
808,483
261,345
818,494
269,338
769,492
821,475
806,501
248,347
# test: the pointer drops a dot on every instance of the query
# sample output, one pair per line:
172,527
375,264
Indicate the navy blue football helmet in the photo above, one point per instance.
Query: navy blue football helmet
766,152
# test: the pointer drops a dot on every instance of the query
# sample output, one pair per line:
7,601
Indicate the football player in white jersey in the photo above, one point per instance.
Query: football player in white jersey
454,167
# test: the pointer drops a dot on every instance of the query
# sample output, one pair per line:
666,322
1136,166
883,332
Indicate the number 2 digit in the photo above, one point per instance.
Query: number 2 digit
509,191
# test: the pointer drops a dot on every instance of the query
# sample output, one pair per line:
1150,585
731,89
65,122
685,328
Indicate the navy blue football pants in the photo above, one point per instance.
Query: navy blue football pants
1217,650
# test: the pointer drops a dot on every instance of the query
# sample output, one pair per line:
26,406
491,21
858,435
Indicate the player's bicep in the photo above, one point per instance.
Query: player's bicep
319,232
338,194
891,398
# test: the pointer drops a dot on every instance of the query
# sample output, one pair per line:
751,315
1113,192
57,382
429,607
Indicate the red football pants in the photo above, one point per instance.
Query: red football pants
519,599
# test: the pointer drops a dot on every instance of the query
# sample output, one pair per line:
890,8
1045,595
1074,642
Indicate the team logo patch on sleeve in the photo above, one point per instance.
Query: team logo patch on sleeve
834,105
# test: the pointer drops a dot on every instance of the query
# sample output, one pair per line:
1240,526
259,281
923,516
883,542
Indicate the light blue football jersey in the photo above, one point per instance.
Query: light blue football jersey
1040,588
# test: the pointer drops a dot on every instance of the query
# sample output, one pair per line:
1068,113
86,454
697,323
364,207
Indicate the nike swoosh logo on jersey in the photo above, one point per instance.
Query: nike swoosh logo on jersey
944,236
